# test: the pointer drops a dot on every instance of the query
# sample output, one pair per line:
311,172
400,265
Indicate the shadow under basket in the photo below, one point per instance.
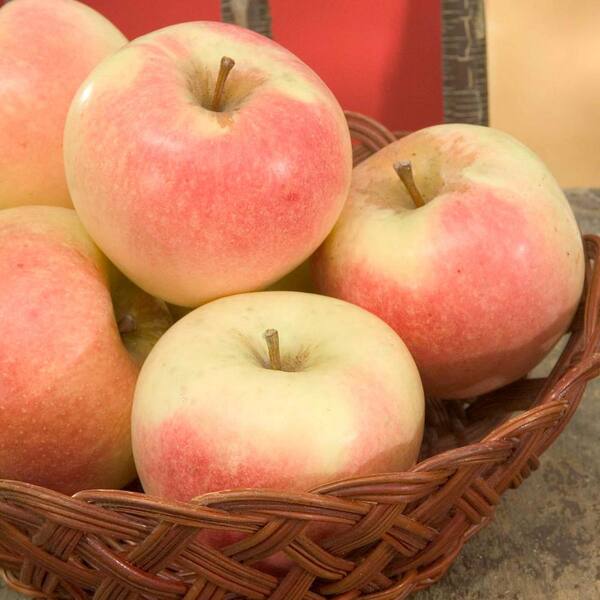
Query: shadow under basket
395,533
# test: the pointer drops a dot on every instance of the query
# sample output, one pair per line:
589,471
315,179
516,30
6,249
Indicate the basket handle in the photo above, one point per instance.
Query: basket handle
368,135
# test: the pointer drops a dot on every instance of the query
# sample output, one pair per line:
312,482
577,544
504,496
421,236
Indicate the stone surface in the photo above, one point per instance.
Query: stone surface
545,541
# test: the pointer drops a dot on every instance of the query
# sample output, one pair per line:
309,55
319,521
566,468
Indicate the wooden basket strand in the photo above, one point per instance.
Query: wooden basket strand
395,533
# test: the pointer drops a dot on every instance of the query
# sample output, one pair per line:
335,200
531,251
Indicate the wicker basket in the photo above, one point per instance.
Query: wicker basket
396,533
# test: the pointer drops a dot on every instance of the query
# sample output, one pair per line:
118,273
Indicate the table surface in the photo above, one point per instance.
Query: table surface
545,540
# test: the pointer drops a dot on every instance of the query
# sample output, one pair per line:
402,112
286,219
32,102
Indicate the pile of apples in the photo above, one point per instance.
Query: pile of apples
205,164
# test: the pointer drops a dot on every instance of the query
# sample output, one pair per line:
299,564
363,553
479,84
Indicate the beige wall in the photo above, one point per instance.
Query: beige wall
544,80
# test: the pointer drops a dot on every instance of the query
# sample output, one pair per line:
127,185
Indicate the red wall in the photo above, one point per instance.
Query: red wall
380,57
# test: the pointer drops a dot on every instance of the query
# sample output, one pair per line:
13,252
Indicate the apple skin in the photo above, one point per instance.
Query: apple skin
66,378
209,414
193,204
46,50
480,282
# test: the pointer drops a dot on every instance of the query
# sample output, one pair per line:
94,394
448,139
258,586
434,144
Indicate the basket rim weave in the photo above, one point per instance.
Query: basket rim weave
399,531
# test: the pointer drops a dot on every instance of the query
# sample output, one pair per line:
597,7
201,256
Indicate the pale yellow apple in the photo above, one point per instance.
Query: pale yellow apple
213,410
47,48
66,375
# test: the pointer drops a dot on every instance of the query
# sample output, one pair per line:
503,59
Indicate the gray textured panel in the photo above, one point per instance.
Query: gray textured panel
464,62
253,14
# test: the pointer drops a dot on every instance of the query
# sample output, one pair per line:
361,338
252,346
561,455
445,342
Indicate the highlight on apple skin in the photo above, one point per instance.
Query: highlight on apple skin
279,390
483,279
200,179
66,375
46,50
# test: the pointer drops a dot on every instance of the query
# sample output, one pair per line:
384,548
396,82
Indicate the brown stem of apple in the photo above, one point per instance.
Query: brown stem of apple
224,69
272,338
404,170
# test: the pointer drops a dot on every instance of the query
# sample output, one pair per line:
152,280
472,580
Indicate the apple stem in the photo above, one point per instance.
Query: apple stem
126,324
272,338
404,170
226,65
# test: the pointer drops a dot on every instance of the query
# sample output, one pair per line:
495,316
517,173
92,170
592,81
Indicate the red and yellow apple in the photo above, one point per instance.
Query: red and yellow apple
483,278
197,189
46,50
219,406
66,375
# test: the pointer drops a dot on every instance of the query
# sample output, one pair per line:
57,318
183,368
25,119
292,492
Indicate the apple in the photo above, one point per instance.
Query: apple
69,353
280,390
476,261
46,50
201,179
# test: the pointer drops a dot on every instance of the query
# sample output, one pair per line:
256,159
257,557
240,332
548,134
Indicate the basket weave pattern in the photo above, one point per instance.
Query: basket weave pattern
397,533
